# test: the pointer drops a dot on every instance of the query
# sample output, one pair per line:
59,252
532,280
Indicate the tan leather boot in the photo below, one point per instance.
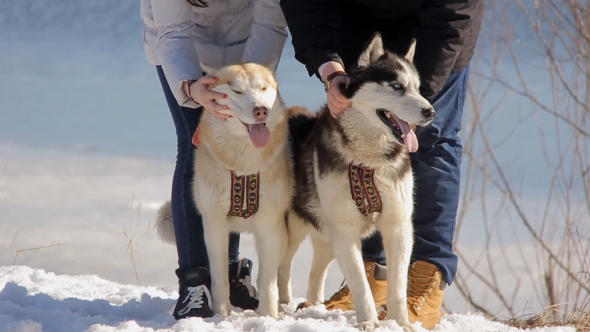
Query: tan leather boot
342,299
425,294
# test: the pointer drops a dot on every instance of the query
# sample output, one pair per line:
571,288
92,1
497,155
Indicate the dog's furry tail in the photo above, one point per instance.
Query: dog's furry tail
164,224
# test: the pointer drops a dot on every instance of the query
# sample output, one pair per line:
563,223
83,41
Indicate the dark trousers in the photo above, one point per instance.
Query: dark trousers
436,164
188,223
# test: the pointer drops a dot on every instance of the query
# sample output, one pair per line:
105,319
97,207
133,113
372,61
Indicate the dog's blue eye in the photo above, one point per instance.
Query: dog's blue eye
397,86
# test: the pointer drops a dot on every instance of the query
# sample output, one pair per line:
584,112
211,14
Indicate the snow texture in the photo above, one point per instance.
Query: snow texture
33,300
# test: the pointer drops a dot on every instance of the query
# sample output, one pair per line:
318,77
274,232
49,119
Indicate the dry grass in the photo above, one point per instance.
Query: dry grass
130,233
580,320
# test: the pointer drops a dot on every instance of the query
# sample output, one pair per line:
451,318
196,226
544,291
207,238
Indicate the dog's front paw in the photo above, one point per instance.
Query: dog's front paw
269,310
224,308
367,326
285,299
285,294
281,309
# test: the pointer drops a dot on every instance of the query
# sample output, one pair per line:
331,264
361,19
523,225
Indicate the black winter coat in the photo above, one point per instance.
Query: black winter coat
337,30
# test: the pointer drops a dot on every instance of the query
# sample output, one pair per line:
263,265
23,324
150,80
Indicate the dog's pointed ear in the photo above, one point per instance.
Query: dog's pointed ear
372,52
410,54
208,70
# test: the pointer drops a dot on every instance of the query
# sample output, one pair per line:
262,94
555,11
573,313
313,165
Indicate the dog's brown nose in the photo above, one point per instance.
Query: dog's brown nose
260,112
428,112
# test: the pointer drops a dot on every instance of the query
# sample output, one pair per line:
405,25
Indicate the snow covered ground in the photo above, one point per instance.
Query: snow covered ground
34,300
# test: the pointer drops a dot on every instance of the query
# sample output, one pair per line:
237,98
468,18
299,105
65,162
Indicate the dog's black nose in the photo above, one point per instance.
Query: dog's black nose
428,112
260,112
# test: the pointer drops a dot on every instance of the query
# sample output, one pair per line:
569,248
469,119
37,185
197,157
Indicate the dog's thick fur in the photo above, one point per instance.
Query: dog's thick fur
323,207
225,147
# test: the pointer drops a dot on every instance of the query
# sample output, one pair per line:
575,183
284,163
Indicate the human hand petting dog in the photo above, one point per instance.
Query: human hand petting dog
200,94
337,102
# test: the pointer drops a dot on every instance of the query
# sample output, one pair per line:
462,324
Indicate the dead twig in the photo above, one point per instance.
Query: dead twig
34,250
130,248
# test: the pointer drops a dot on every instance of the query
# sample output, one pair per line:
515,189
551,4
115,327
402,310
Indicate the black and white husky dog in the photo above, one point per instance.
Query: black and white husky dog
353,177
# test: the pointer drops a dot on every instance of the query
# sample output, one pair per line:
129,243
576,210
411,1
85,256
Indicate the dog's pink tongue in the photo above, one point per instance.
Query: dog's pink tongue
409,136
411,141
259,134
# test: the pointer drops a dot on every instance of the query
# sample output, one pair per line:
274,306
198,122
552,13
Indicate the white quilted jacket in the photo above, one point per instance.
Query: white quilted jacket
179,36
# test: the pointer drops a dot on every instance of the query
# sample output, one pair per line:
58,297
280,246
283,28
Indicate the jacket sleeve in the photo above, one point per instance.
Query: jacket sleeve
441,32
174,46
315,31
268,34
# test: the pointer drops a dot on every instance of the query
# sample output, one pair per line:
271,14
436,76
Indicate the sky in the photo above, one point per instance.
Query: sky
87,149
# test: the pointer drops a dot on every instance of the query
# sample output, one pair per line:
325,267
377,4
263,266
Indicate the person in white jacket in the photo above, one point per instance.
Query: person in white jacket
179,36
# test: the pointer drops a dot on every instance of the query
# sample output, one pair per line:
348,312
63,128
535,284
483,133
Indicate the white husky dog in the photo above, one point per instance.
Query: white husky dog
353,177
243,179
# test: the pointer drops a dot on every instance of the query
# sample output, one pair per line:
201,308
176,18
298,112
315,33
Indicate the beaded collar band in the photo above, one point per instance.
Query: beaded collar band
363,190
247,187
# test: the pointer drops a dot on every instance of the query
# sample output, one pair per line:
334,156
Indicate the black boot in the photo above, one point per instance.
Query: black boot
241,292
195,299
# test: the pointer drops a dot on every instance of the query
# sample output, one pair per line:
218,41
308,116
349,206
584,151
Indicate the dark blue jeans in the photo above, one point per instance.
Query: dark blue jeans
436,167
188,223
